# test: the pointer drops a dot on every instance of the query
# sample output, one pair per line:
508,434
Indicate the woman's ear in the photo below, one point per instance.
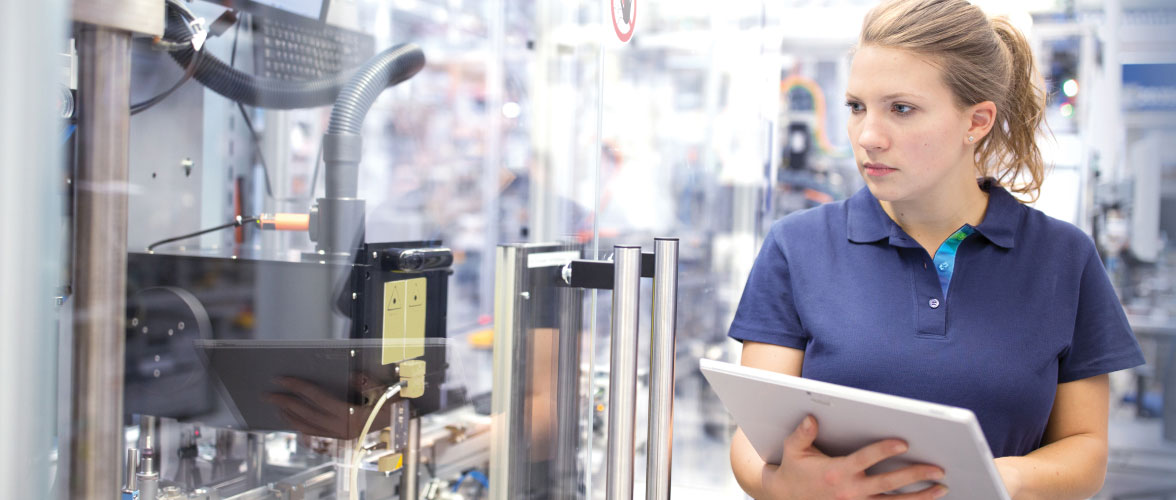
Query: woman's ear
981,118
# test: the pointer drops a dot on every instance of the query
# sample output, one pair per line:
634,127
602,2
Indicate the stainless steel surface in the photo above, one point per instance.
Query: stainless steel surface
662,352
409,489
147,465
148,433
100,262
167,200
129,481
140,16
256,458
506,389
622,386
308,484
148,486
400,418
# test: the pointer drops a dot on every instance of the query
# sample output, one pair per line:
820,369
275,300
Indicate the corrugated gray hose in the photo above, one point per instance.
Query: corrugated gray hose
272,93
389,68
342,144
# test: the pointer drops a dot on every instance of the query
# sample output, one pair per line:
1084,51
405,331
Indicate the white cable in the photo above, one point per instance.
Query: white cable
357,455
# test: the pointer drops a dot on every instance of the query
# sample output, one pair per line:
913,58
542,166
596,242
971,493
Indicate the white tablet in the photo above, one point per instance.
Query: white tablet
768,406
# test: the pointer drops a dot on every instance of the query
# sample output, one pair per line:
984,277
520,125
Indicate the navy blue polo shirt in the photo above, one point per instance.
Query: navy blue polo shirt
1028,306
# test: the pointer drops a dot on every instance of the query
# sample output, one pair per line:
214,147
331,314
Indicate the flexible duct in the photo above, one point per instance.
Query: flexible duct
270,93
342,144
389,68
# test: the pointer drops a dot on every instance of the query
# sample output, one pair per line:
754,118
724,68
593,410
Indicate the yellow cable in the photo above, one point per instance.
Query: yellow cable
357,455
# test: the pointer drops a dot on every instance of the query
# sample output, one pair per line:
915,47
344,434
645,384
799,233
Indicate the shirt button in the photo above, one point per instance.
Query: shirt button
934,303
943,266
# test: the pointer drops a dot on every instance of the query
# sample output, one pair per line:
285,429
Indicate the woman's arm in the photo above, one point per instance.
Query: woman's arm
1073,462
745,462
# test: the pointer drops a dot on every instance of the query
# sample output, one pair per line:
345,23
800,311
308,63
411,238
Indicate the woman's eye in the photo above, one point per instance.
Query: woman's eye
903,109
855,107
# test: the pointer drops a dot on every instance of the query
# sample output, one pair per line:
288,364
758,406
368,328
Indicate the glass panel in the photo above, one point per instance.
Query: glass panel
690,111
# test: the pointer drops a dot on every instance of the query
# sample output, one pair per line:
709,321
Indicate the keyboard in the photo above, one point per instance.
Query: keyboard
296,48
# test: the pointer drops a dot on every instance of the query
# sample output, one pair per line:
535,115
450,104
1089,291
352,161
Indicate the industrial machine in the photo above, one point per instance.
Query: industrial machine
295,351
322,373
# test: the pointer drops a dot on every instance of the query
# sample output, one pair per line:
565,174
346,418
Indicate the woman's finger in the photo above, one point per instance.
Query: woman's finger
798,443
890,481
872,454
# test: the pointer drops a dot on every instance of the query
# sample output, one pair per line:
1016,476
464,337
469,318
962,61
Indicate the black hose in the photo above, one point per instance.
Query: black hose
245,88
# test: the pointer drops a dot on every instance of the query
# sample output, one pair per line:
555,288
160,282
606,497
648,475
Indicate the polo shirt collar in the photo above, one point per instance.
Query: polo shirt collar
868,223
1003,217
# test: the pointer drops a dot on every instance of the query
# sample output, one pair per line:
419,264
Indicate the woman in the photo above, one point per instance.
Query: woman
934,282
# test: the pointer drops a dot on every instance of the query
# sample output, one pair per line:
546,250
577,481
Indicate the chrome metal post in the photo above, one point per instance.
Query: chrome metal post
255,458
149,434
622,387
409,490
661,369
104,64
130,483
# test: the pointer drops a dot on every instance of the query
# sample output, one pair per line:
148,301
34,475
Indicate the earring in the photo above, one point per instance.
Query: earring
971,139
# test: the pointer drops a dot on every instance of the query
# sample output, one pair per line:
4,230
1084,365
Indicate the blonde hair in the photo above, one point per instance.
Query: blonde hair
981,59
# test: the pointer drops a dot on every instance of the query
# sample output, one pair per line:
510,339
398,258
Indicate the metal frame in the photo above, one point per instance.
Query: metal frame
526,283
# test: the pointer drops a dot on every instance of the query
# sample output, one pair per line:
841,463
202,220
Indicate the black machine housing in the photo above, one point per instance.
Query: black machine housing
175,302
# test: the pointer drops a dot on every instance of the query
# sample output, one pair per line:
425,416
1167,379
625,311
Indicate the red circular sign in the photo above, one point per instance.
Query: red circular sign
624,18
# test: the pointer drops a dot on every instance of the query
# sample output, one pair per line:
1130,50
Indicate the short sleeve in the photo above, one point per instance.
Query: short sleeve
1103,341
767,311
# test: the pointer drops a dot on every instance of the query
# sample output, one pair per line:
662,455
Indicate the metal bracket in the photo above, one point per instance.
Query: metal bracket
137,16
598,274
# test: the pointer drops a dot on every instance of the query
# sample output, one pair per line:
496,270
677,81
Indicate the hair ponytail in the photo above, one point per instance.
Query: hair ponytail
981,59
1012,145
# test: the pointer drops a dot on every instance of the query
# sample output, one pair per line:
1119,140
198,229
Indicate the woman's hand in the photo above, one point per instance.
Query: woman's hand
807,473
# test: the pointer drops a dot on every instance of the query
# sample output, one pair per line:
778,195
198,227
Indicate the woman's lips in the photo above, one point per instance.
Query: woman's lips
878,169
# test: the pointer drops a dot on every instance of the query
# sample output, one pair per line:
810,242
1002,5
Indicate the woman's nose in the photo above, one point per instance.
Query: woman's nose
872,136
